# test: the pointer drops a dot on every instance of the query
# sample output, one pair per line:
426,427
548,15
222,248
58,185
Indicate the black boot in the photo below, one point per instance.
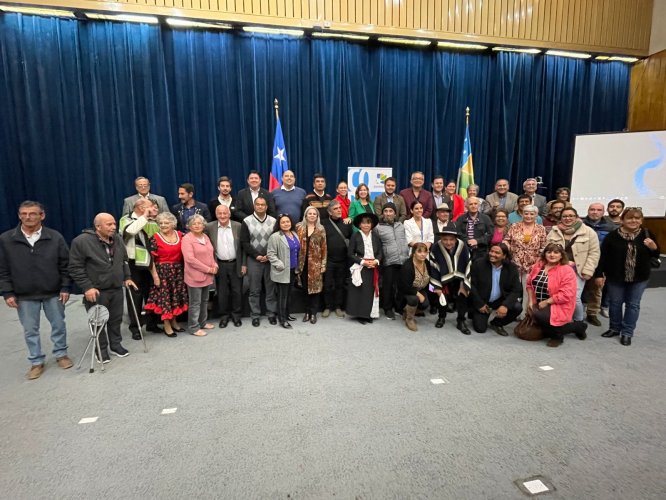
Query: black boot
460,325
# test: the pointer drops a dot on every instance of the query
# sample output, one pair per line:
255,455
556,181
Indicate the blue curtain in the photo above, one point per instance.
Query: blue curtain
88,106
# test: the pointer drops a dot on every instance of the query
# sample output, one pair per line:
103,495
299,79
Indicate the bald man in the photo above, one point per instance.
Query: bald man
98,264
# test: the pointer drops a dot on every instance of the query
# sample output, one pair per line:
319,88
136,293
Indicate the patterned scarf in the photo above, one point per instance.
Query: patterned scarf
572,229
630,259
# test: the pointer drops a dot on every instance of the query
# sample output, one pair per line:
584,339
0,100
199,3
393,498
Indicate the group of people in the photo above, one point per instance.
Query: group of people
406,252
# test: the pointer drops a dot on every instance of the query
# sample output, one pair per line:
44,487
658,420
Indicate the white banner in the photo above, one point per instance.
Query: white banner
374,177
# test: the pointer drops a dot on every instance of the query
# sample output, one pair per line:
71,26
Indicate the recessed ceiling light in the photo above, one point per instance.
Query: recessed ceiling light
458,45
128,18
514,49
319,34
177,22
273,31
34,11
404,41
562,53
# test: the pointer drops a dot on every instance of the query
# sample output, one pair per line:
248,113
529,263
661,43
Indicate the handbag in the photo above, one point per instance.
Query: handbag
528,329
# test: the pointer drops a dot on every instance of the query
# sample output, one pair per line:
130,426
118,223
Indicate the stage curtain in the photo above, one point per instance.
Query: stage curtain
88,106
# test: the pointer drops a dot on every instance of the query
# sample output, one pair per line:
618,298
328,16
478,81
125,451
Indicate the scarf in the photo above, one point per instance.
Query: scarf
630,258
570,230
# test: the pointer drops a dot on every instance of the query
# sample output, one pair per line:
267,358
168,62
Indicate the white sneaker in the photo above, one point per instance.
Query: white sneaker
604,312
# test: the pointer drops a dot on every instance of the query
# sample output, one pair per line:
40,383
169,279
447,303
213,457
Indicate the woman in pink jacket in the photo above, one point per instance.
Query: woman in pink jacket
200,270
552,289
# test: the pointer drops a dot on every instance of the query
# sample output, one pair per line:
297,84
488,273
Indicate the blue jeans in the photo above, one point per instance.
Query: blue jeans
579,312
29,312
629,295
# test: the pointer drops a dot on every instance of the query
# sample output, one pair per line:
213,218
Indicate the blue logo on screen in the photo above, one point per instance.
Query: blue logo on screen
639,175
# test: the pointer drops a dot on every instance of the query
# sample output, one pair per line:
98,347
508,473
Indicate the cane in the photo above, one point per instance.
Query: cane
136,316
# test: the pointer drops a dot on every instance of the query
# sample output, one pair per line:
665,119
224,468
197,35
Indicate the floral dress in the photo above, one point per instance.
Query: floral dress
168,300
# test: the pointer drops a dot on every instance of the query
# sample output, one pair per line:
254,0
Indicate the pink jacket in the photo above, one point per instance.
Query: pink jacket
562,291
198,258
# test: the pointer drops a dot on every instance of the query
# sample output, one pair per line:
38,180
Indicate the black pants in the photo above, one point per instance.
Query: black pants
144,281
389,285
335,282
311,302
413,300
453,296
112,299
542,317
283,291
480,320
229,293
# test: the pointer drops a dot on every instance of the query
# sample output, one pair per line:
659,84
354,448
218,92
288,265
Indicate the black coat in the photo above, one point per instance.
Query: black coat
357,248
245,206
482,283
614,253
406,279
483,230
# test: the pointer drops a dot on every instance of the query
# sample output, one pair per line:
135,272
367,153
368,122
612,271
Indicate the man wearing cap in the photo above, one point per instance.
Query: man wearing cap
394,247
450,267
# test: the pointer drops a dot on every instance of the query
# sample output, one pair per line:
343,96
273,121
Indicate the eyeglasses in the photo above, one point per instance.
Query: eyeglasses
30,214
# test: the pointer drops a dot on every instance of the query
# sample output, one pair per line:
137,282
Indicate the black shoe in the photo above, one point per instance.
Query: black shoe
625,340
153,329
313,318
291,318
170,335
136,336
370,320
238,322
460,325
433,310
389,314
499,330
306,318
440,322
272,320
610,333
580,329
223,323
285,324
105,356
119,351
255,322
363,321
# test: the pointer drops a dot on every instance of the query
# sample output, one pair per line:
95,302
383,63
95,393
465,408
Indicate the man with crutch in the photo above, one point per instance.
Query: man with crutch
98,265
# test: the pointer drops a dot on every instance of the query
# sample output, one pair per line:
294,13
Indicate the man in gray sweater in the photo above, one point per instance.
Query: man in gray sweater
98,265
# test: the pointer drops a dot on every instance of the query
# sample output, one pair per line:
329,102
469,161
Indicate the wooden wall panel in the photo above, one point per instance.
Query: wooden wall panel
615,26
647,94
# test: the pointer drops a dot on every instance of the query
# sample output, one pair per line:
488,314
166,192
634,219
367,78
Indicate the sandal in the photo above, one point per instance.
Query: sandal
199,333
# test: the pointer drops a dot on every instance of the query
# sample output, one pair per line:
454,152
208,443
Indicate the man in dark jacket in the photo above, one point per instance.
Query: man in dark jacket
475,228
98,265
33,275
337,266
495,287
246,197
188,207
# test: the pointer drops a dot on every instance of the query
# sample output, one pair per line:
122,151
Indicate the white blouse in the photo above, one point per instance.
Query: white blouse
416,235
368,251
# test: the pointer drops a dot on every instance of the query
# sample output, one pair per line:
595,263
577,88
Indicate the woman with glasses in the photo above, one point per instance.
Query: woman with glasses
581,244
551,285
625,266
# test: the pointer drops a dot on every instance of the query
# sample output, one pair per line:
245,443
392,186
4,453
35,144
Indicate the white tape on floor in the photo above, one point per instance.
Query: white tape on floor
546,368
437,381
88,420
167,411
536,486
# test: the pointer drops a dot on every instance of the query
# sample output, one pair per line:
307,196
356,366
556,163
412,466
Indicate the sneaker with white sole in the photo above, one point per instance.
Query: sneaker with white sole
119,351
105,356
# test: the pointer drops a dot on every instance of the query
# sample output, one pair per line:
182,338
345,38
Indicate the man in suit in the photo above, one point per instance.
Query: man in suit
142,186
389,196
247,197
502,198
224,234
224,197
495,287
538,200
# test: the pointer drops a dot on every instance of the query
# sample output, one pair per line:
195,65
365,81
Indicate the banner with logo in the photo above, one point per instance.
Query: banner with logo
374,177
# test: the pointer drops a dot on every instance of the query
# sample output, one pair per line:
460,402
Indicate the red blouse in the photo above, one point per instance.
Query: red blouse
165,252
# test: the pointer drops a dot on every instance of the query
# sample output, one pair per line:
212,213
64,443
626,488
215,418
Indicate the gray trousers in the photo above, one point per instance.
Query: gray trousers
258,273
197,313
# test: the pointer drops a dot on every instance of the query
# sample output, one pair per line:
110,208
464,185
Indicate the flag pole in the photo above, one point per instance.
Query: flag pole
277,108
466,115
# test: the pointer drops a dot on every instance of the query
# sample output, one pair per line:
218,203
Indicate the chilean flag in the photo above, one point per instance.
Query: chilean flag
279,159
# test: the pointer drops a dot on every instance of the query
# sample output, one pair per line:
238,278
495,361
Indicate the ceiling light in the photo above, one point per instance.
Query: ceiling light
623,59
404,41
575,55
602,58
319,34
514,49
273,31
458,45
184,23
128,18
38,12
